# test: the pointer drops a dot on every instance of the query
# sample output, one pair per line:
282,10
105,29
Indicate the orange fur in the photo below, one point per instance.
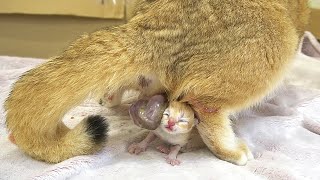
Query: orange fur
226,54
183,119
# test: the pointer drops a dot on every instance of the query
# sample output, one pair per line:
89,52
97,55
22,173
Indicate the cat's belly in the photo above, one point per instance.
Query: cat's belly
173,139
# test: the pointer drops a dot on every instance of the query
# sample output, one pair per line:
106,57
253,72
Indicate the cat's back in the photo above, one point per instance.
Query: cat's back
176,30
214,45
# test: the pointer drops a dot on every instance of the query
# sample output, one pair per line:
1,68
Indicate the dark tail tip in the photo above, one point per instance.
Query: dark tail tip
97,128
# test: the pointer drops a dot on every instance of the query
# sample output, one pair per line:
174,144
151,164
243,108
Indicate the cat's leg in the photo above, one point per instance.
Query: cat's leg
137,148
113,99
216,132
171,158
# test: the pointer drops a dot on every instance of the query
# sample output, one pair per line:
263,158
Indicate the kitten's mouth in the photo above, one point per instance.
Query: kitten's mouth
170,128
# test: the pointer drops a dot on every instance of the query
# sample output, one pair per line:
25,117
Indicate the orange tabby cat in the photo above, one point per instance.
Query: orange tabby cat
218,56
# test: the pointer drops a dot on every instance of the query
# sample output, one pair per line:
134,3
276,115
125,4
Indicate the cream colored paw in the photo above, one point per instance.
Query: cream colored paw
239,154
250,155
246,149
236,157
242,160
136,148
172,161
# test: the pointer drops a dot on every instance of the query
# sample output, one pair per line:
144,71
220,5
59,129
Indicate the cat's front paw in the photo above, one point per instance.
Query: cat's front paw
136,148
172,161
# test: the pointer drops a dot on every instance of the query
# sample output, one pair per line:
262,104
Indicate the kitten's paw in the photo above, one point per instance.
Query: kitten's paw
136,148
164,149
172,161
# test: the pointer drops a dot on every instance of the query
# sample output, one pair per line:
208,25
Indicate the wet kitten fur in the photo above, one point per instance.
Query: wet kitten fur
225,54
176,129
183,120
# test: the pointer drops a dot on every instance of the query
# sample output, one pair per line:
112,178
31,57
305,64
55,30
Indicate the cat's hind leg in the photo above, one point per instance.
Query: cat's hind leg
216,132
112,99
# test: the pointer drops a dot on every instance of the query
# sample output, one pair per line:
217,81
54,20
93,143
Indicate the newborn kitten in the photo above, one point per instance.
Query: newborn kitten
175,129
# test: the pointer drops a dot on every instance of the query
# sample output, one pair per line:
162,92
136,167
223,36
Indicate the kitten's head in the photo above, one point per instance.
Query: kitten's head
178,118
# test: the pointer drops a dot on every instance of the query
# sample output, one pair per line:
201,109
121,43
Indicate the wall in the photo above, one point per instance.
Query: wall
44,36
314,25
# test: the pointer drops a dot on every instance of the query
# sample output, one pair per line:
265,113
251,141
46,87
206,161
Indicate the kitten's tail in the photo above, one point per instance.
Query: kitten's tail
42,96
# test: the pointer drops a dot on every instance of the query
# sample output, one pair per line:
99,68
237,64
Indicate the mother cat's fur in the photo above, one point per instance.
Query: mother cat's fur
224,54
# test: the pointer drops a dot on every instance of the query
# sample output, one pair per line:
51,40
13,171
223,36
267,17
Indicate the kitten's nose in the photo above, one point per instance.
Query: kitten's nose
171,122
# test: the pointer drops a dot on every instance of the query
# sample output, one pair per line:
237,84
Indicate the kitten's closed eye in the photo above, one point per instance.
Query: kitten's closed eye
183,120
166,114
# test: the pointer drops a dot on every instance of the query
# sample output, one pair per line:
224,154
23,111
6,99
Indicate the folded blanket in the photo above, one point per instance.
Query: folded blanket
282,132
